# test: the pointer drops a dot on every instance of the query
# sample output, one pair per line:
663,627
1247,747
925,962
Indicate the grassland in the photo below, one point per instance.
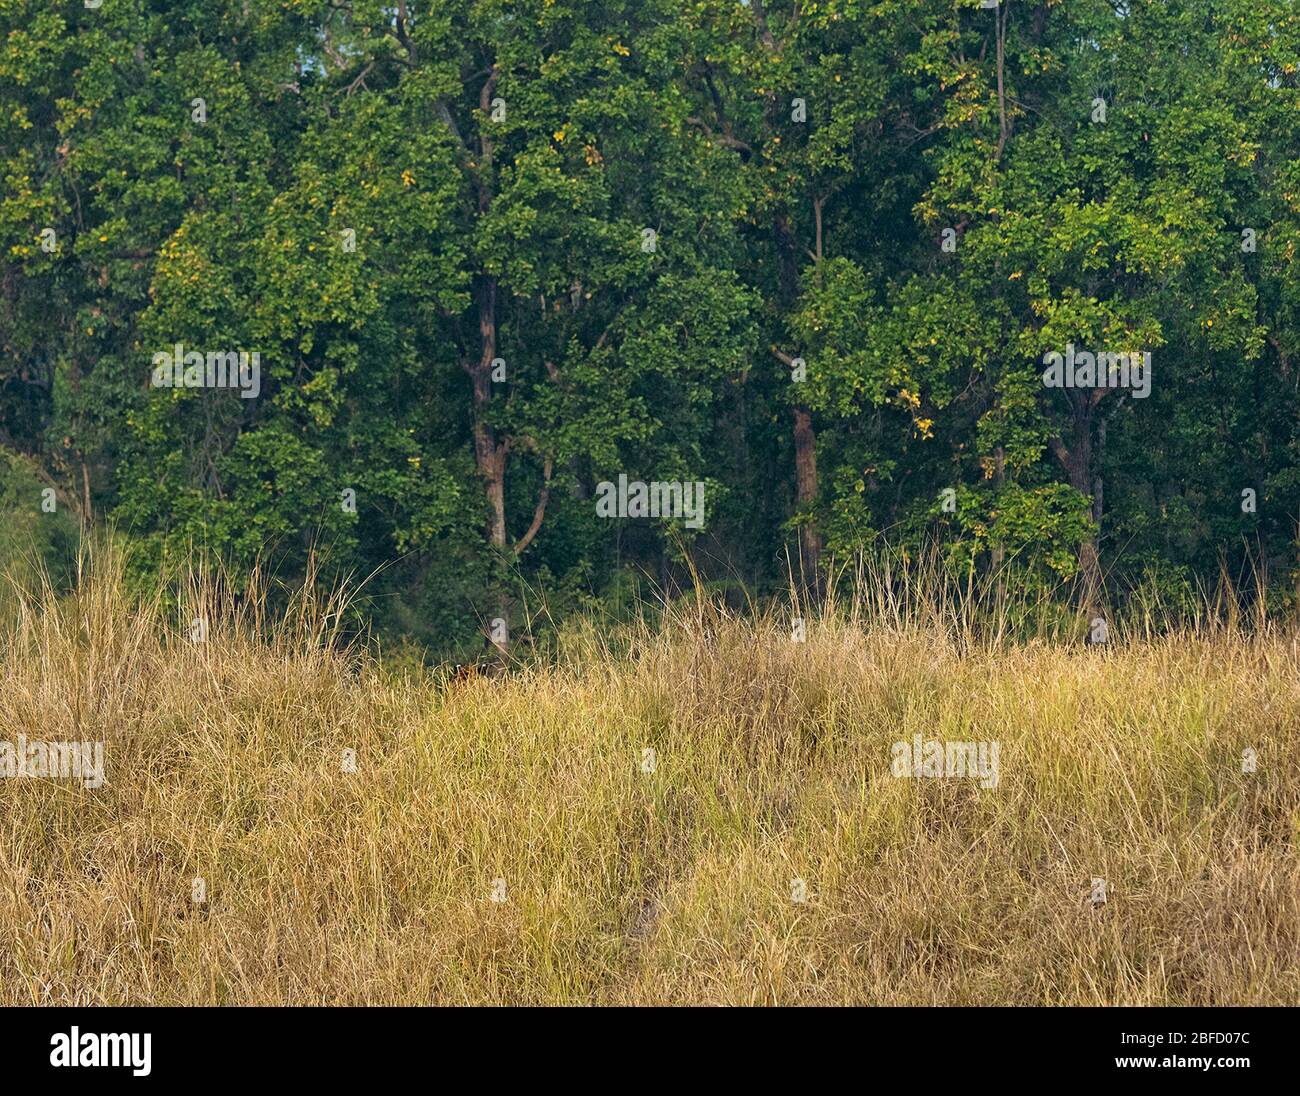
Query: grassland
771,765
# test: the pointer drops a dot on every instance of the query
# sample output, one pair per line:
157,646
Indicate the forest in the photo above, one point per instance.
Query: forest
472,261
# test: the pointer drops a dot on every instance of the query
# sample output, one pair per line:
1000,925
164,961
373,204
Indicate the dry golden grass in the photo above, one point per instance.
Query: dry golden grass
627,887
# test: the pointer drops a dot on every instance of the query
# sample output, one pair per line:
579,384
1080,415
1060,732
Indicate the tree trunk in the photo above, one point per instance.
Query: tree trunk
1297,559
490,456
1079,471
805,469
805,438
999,554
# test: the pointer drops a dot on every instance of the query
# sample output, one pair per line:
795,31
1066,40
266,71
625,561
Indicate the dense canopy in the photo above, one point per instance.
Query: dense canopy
812,260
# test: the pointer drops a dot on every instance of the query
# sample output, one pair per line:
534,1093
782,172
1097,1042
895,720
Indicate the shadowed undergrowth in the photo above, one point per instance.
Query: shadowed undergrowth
771,765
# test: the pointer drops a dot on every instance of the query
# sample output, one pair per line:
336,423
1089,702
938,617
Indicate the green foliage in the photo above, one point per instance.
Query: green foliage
645,213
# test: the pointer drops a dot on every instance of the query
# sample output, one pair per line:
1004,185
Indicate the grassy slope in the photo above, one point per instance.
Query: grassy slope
633,887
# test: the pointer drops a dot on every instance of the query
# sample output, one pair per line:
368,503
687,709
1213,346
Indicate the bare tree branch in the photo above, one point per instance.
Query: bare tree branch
542,499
